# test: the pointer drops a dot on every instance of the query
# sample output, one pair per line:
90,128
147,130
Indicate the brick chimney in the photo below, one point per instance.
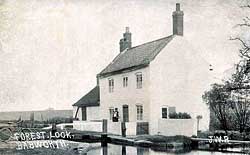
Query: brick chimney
178,21
125,42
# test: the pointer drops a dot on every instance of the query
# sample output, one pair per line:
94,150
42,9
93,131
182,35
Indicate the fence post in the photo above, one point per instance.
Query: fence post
104,126
123,128
104,136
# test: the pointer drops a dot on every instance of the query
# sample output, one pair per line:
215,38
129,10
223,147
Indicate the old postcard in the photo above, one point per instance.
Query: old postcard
130,77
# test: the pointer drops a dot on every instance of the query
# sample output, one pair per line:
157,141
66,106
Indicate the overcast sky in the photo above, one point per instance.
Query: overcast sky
51,50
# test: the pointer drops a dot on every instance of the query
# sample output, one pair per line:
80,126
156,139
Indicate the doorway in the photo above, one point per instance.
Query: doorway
125,112
84,113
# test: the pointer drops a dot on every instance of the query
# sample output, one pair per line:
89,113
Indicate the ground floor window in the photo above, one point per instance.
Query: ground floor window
164,112
111,113
167,111
139,111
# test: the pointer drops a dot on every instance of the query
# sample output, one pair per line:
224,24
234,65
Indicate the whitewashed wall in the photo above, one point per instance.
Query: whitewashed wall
172,127
93,113
131,128
114,128
179,77
130,95
87,126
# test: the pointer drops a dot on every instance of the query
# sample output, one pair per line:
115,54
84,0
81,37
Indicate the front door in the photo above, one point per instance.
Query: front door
84,113
125,113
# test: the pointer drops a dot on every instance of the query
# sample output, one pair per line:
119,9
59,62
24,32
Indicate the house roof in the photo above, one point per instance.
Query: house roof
92,98
136,56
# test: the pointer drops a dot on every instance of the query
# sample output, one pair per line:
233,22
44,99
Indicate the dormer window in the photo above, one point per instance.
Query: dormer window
139,80
111,85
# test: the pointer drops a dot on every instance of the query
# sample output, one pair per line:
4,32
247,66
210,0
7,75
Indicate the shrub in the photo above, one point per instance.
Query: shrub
179,115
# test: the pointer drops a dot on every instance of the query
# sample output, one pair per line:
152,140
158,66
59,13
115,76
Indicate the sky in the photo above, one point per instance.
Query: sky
51,50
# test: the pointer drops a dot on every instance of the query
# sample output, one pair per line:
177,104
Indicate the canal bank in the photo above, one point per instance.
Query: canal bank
174,144
140,140
160,142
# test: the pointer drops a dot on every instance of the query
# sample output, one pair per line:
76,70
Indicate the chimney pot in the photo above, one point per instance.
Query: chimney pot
126,41
178,21
127,29
178,7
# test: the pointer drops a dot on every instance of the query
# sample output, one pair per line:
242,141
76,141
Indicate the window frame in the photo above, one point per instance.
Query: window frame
167,114
125,81
139,80
111,85
111,113
139,112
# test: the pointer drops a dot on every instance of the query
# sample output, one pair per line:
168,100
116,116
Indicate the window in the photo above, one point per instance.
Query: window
125,81
111,85
111,113
167,111
125,113
164,112
138,80
139,110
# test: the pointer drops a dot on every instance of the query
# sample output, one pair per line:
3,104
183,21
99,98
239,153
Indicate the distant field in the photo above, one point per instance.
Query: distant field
38,115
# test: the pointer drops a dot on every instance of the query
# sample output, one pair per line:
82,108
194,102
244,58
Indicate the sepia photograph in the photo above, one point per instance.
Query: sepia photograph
124,77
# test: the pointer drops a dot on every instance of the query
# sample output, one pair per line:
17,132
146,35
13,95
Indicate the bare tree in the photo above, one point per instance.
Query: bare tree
239,89
230,101
218,101
239,84
245,45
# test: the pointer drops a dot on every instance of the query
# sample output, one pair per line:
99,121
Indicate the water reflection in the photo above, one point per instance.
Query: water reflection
93,149
128,150
119,150
123,150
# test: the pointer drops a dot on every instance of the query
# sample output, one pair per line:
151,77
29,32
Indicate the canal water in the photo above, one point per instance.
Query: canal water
77,148
128,150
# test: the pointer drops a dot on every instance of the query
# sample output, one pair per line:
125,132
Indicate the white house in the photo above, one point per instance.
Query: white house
148,82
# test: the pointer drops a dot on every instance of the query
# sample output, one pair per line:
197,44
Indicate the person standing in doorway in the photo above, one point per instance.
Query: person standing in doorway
116,115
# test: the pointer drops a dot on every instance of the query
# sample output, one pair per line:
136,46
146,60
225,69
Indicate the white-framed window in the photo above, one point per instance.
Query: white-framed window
125,81
111,85
111,113
164,112
139,112
138,80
